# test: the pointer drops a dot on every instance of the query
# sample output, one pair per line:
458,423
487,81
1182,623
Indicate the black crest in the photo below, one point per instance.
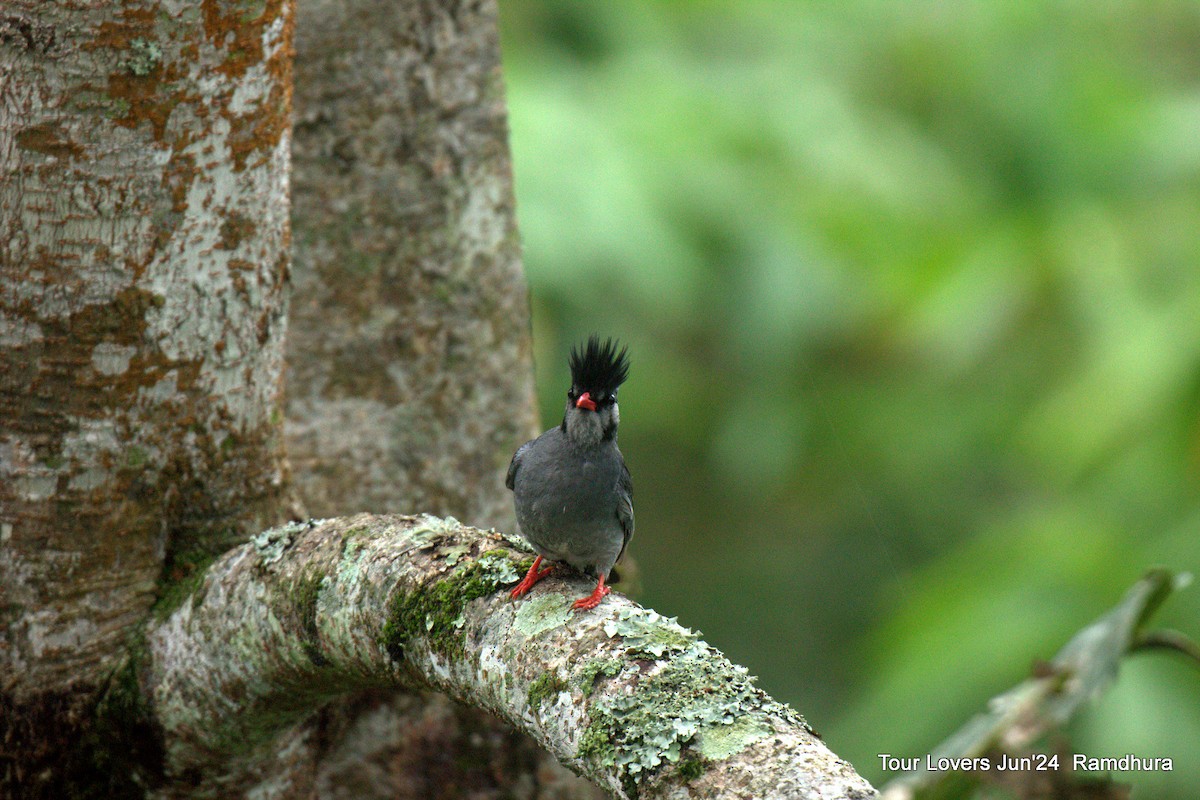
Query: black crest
597,367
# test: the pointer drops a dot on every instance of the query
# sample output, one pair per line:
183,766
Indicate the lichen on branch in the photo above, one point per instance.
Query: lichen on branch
625,697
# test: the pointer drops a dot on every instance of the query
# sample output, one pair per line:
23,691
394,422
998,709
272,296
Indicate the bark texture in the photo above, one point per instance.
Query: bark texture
309,612
143,244
410,376
143,259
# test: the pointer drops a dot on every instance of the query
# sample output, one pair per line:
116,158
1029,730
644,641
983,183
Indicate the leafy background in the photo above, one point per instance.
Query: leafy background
912,296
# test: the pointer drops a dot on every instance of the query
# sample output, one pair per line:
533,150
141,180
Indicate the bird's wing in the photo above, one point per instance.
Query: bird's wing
515,464
625,506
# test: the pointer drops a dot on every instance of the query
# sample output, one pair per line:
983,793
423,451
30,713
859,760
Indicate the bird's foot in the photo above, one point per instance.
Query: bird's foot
533,576
593,599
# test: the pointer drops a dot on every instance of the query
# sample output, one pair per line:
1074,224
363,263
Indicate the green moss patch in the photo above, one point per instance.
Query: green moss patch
135,457
690,767
307,591
546,687
123,740
595,744
182,580
435,612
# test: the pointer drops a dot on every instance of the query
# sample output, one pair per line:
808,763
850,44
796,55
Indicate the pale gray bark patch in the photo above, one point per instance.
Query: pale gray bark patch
410,372
143,243
309,612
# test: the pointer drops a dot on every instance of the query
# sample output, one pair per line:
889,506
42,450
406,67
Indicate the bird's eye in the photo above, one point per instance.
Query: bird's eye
572,394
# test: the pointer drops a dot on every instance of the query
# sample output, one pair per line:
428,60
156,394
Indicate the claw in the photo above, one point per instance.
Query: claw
593,599
533,576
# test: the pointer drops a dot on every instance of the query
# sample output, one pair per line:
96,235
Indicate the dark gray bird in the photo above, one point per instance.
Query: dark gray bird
571,488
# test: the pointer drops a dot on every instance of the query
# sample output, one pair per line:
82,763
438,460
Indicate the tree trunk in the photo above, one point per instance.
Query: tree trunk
410,381
143,240
410,376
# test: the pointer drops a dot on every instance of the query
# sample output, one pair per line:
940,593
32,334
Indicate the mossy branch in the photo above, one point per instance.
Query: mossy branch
627,698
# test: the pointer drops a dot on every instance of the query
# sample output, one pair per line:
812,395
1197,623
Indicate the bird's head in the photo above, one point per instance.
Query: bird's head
597,371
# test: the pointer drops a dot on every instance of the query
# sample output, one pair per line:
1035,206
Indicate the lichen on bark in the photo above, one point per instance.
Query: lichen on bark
435,614
141,330
423,607
139,342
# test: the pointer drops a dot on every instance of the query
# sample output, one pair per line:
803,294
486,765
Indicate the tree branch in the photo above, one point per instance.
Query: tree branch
627,698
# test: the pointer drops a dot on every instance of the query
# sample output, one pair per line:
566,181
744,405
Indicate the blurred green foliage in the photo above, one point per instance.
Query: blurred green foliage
912,297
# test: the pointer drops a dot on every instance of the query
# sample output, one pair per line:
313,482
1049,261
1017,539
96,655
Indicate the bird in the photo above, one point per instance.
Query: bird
572,490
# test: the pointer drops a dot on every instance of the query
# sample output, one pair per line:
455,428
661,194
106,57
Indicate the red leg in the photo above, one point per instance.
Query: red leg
593,599
531,577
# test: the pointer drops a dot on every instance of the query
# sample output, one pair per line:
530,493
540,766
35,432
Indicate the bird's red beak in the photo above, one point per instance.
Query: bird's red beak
585,401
